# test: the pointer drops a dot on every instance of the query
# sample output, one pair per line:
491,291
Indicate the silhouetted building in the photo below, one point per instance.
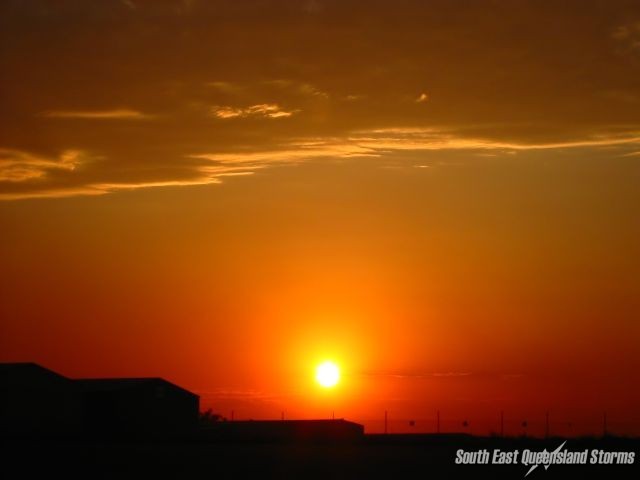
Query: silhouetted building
35,401
299,430
137,405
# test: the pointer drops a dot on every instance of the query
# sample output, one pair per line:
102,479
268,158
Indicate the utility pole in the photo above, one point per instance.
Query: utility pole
232,412
386,430
502,423
282,416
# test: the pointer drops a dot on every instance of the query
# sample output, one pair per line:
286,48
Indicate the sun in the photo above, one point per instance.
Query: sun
327,374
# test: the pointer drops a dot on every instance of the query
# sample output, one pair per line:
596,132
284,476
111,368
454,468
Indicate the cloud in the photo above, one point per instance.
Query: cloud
355,88
225,87
272,87
51,193
308,89
419,375
19,166
266,110
454,139
380,142
211,167
629,34
296,87
227,112
632,154
237,394
27,174
97,114
508,376
105,188
627,39
129,4
295,152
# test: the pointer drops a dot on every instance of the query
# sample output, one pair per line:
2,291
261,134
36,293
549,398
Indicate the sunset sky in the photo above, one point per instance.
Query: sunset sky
441,197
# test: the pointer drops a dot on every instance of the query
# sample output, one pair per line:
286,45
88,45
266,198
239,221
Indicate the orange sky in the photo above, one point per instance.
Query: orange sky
440,197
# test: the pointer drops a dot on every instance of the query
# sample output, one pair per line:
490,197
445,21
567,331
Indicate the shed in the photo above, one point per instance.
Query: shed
137,405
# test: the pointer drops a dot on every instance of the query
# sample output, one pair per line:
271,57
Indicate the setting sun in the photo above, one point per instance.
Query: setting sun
314,210
327,374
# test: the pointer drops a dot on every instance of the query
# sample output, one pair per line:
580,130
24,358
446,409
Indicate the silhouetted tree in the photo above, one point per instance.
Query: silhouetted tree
208,417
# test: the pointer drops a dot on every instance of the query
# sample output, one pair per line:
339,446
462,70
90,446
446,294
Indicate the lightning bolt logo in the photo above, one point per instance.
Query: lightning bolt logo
533,467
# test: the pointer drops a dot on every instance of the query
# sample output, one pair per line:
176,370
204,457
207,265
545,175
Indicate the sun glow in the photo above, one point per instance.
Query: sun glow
327,374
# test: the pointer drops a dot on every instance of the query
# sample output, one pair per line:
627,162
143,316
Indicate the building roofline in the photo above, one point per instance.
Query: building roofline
129,380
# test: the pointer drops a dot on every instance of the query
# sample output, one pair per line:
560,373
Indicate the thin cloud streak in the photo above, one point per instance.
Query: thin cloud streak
97,114
435,139
420,375
53,193
203,175
376,143
18,166
266,110
449,374
23,168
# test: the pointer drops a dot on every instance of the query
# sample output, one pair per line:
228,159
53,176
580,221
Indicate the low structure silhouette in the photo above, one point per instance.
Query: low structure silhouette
284,430
137,405
35,401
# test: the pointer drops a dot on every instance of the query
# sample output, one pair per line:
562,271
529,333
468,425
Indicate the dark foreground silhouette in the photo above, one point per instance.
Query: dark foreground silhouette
372,456
55,427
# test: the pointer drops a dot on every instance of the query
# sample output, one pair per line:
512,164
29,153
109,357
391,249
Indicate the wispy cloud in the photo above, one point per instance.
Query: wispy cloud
295,152
266,110
25,175
300,88
418,375
277,86
225,87
242,394
452,139
275,106
308,89
628,35
129,4
105,188
380,142
19,166
52,193
97,114
444,375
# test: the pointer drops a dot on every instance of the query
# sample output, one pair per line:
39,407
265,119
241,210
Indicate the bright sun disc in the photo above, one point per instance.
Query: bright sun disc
327,374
